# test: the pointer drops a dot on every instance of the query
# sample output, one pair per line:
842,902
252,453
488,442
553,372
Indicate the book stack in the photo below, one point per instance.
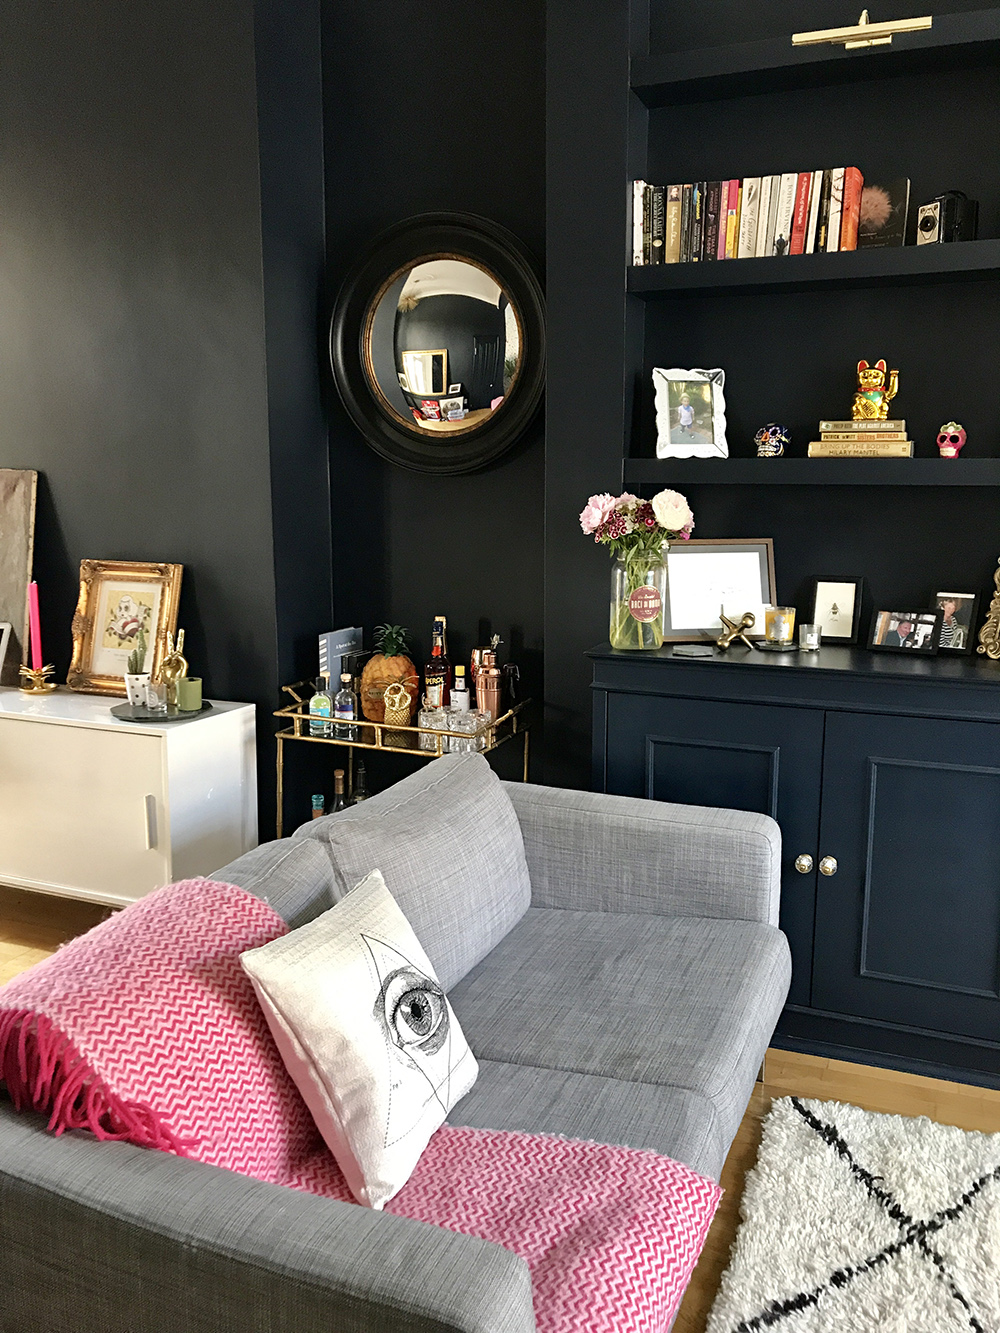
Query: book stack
797,213
861,439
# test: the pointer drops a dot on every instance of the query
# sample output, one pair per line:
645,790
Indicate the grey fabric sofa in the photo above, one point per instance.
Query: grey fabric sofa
630,1001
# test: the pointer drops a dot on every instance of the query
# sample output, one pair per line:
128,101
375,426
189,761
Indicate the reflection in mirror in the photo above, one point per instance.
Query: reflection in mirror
443,345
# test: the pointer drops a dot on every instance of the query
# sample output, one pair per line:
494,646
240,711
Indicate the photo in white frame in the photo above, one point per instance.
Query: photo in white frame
690,413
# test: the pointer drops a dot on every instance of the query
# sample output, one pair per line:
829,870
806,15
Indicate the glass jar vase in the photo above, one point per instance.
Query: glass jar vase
638,596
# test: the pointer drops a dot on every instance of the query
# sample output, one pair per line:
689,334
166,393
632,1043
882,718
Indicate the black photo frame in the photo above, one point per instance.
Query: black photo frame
816,603
884,637
385,423
968,619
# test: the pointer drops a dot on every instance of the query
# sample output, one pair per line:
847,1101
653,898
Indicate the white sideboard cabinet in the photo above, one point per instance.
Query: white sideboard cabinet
96,808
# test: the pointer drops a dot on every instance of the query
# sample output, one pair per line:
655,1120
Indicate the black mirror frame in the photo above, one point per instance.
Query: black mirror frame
495,249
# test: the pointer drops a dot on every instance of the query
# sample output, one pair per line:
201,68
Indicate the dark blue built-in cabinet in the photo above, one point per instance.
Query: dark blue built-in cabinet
887,766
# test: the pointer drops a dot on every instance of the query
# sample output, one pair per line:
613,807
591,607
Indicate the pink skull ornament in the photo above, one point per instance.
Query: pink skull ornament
950,439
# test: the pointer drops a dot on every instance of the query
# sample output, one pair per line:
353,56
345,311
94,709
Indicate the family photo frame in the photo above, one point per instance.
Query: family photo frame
122,603
690,413
959,614
914,632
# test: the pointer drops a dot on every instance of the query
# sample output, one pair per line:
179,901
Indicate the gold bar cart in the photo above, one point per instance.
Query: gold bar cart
417,742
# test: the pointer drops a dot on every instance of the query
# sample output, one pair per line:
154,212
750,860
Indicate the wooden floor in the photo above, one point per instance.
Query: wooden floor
33,925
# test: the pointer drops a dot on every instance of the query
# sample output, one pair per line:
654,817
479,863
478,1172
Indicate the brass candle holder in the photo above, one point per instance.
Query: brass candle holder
37,682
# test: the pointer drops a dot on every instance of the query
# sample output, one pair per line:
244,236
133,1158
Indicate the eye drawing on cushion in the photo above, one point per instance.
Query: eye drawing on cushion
412,1013
413,1010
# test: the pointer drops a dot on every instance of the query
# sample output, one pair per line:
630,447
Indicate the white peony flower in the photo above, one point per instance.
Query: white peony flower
672,511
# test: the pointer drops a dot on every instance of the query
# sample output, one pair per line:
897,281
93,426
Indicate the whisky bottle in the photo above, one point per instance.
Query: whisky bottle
317,806
339,800
437,672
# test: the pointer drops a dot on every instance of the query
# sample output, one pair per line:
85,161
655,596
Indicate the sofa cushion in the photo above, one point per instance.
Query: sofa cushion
367,1033
686,1002
294,877
449,847
679,1123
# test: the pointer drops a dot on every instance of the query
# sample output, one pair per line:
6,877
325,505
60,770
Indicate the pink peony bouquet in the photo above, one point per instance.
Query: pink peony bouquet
638,533
634,527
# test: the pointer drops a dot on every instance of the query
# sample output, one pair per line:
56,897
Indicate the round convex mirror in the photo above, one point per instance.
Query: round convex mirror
437,343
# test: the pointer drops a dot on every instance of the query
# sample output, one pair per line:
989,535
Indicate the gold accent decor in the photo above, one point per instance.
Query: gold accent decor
804,863
734,631
874,392
828,865
37,682
173,667
389,738
95,668
989,635
863,33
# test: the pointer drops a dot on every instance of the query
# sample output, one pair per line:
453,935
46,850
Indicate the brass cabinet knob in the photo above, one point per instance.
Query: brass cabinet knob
828,865
804,863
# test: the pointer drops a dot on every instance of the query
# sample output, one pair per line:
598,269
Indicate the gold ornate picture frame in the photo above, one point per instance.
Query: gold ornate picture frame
119,599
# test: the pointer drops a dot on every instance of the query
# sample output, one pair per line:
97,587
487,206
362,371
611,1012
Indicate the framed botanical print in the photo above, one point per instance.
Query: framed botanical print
835,604
122,605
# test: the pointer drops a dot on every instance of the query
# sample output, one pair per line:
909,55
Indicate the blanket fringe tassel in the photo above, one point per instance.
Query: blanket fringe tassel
44,1072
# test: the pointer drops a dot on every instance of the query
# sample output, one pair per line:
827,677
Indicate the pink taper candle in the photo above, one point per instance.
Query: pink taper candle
35,627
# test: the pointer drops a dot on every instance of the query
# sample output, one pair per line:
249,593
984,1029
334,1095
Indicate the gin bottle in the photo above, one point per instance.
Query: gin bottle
320,708
345,711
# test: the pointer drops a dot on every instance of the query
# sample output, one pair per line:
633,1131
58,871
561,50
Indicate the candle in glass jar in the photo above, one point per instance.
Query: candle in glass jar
809,638
34,627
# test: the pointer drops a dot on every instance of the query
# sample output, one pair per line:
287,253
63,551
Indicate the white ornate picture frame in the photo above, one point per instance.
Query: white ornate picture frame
690,413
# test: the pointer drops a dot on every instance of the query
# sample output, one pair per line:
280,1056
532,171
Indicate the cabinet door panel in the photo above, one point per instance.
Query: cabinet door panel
82,810
738,756
908,930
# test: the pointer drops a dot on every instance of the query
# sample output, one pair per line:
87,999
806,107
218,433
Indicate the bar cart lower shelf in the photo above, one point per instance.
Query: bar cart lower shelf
417,742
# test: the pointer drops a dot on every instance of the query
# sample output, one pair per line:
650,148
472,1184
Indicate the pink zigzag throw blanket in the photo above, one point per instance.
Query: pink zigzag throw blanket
147,1029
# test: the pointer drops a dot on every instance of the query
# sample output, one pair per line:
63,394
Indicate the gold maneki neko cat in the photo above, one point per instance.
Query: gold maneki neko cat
871,402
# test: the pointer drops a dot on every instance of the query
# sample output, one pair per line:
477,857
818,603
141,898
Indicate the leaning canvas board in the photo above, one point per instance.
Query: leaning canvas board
17,539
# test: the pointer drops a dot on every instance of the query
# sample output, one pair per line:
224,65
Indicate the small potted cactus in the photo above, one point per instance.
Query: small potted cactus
136,678
388,665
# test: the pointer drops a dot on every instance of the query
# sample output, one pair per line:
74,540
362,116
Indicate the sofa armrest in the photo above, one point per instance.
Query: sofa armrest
110,1238
599,853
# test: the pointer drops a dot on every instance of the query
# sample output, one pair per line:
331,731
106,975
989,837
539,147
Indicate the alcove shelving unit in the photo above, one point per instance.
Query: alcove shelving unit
882,947
761,71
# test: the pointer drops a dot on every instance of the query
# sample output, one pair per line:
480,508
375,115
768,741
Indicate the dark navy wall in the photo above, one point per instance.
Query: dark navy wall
151,352
430,109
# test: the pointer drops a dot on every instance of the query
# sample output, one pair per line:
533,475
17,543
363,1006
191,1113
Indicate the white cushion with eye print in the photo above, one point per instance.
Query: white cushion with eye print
367,1034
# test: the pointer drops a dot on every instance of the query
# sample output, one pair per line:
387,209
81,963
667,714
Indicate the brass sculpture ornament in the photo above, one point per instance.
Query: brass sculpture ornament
735,631
871,401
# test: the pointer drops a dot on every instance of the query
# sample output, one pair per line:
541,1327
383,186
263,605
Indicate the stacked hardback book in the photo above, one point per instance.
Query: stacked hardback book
861,439
800,212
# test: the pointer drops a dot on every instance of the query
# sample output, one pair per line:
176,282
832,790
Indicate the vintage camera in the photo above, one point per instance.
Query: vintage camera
950,217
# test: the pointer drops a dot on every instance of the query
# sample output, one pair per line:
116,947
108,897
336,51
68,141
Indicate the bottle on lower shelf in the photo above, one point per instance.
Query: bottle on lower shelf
339,799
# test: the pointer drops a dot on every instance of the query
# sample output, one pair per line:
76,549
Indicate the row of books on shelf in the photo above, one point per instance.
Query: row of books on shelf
796,213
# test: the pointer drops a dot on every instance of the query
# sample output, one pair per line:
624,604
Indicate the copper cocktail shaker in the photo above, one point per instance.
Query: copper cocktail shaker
489,684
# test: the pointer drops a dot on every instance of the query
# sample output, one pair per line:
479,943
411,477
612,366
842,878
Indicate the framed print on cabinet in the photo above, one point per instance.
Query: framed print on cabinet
836,606
958,620
732,574
119,600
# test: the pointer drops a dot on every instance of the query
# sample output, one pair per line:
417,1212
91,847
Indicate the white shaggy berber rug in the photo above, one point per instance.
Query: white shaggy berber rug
854,1222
